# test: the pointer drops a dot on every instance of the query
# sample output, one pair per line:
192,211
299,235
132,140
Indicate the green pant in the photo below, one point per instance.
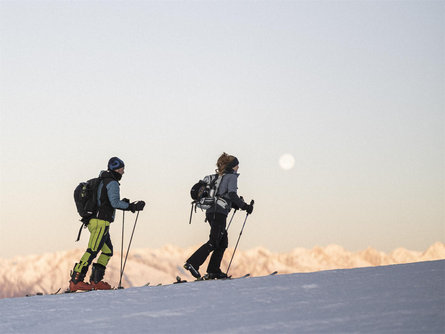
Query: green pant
99,241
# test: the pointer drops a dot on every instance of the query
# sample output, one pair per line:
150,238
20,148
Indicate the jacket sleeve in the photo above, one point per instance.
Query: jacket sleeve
232,187
114,196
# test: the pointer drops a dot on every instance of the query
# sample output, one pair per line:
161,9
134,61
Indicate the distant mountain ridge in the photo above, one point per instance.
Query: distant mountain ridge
49,272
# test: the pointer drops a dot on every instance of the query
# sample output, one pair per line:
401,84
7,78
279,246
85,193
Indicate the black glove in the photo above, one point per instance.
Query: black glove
126,200
136,206
248,208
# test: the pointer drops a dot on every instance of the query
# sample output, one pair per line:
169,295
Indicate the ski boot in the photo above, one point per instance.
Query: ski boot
77,283
96,278
195,273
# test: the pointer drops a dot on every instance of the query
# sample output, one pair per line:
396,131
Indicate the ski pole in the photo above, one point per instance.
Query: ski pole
191,213
239,237
122,249
129,244
236,209
230,222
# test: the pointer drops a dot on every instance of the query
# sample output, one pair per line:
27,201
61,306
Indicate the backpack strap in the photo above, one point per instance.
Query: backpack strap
216,197
217,183
84,225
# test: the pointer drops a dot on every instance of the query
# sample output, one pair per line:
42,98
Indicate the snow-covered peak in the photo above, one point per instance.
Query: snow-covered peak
50,271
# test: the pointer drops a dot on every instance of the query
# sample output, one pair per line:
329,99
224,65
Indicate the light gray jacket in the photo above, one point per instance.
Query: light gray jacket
228,191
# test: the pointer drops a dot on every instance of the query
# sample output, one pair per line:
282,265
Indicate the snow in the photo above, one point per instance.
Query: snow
404,298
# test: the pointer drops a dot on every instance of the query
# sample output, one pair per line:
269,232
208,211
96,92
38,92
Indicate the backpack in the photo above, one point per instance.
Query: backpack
85,197
204,193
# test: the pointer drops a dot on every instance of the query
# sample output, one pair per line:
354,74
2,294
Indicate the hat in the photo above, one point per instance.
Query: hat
232,164
115,163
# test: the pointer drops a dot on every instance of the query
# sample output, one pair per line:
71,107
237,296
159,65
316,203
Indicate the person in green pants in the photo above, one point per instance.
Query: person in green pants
108,195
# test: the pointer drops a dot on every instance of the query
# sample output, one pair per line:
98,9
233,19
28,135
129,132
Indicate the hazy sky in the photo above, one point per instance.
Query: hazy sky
354,90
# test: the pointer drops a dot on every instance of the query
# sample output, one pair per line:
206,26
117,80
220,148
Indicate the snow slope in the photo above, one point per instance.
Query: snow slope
48,272
404,298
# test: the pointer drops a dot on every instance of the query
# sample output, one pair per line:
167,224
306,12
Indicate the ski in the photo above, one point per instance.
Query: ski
180,280
244,276
82,291
42,294
230,277
274,273
77,291
34,294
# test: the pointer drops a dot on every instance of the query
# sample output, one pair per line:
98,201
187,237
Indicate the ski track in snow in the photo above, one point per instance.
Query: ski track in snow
405,298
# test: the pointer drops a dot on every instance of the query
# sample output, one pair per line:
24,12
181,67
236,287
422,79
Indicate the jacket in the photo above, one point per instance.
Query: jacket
228,192
108,197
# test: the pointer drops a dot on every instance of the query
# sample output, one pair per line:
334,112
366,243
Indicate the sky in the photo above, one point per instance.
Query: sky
353,90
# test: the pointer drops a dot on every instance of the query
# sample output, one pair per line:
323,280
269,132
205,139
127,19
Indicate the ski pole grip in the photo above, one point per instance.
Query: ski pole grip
251,203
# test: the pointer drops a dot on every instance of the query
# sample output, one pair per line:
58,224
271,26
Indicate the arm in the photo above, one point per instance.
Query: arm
114,196
232,187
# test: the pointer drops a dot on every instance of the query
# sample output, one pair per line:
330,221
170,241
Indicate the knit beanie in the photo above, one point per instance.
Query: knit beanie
115,163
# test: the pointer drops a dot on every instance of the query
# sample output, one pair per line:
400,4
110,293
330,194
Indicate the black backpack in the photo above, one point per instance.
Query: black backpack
204,192
85,197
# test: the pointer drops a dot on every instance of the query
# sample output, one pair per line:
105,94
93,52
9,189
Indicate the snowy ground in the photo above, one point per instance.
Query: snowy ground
405,298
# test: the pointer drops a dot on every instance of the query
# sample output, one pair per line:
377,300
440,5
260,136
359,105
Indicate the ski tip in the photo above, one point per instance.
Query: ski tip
179,280
34,294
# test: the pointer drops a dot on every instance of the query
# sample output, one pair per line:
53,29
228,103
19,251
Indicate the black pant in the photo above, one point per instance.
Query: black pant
217,244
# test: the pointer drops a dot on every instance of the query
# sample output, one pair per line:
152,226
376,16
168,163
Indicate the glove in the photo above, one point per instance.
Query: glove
126,200
136,206
248,208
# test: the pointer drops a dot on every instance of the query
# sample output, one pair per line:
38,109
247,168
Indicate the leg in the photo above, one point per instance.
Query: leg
200,255
99,268
98,229
218,235
217,255
106,251
217,227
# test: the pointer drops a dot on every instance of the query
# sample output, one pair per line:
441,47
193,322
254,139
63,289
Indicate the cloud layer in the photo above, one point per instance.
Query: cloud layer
48,272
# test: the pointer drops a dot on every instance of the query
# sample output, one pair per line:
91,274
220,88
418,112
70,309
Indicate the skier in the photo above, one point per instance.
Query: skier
108,196
216,215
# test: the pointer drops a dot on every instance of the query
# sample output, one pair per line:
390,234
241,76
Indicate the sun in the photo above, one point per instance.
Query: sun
287,161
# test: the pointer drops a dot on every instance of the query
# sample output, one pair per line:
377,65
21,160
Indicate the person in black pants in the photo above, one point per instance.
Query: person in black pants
216,215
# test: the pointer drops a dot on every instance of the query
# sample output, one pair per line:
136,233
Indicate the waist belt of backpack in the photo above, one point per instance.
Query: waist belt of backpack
222,202
84,225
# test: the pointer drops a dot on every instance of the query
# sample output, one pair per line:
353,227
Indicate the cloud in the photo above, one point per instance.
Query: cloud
48,272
